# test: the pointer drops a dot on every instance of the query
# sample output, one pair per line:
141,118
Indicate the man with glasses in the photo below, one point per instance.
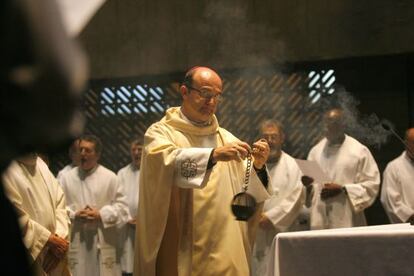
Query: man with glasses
190,171
285,210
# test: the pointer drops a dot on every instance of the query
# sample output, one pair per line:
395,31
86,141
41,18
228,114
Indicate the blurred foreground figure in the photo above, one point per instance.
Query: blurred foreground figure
191,169
397,194
97,207
41,208
41,76
282,211
128,177
353,172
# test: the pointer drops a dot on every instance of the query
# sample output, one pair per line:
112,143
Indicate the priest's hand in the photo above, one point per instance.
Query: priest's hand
81,214
265,222
330,190
260,153
57,246
132,221
236,151
92,213
307,181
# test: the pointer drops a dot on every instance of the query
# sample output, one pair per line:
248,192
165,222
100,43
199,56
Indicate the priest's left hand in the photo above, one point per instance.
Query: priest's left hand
330,190
260,153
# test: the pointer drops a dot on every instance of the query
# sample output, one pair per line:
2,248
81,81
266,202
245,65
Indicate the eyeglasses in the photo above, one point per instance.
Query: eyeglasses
207,95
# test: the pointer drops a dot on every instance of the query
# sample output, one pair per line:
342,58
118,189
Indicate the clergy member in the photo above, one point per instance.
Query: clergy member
97,206
397,194
128,177
354,177
74,158
41,208
282,211
190,171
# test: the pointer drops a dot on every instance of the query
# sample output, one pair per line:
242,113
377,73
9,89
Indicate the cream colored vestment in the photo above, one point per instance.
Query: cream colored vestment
185,225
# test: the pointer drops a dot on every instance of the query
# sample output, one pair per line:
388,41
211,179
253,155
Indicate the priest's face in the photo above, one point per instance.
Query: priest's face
200,99
274,137
88,156
136,150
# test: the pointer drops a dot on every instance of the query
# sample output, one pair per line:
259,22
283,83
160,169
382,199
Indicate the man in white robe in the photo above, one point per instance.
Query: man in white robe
41,208
97,206
397,195
190,171
74,157
128,177
280,212
354,177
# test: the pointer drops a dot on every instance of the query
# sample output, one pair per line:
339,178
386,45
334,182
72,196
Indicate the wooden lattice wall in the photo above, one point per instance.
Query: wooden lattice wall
119,110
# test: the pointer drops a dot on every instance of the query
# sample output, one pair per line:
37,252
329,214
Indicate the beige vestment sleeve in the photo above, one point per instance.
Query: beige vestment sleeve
35,236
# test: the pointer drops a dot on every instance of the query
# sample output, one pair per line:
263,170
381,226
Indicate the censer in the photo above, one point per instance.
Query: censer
243,204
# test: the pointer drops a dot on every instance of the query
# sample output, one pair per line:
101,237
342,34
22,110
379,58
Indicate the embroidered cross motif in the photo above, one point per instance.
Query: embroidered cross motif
109,262
188,168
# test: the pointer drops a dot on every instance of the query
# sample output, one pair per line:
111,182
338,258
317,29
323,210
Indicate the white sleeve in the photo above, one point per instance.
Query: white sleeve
116,213
284,212
363,192
391,196
70,208
190,170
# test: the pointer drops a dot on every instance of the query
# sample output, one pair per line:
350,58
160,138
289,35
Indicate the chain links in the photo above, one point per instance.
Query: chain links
247,176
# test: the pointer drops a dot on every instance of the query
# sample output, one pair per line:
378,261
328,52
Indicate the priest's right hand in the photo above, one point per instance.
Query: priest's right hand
57,246
306,181
236,151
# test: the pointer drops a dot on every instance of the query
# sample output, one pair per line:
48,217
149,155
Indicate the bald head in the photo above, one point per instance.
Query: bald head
202,76
335,114
334,126
200,91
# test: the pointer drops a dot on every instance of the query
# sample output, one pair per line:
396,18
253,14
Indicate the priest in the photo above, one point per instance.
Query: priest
97,206
128,178
190,171
353,173
397,195
40,205
285,210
